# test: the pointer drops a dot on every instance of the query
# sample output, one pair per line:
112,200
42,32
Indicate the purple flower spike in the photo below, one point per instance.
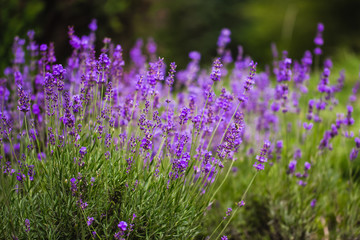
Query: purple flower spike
228,212
82,151
353,154
261,158
259,166
216,70
27,225
223,40
90,221
357,142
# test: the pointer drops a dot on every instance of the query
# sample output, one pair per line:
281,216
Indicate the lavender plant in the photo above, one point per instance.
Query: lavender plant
310,161
96,150
100,149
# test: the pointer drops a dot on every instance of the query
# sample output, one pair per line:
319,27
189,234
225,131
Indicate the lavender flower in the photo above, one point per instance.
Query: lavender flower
216,70
82,151
318,40
241,204
353,154
90,221
184,116
24,101
313,203
93,25
228,212
223,40
292,166
27,225
170,78
307,126
250,79
123,226
261,158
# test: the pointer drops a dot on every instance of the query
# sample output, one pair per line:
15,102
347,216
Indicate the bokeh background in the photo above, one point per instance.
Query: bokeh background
180,26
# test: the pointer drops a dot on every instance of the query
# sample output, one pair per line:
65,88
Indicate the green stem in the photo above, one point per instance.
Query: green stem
234,213
213,134
227,174
227,127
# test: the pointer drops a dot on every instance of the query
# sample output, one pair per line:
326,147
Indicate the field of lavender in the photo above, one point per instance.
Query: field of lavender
99,149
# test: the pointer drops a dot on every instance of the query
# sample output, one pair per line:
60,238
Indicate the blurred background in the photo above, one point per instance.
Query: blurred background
180,26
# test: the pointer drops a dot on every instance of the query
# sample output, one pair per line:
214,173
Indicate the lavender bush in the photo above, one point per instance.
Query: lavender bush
99,149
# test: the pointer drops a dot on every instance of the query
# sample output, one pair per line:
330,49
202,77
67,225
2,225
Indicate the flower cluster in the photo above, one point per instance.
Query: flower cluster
153,136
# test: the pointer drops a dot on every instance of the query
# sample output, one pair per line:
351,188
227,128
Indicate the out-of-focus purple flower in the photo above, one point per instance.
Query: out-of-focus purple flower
349,120
302,183
284,72
320,27
27,225
20,177
317,51
90,221
18,79
82,151
357,142
195,56
51,53
136,54
353,154
223,40
36,109
43,47
224,238
308,126
123,226
31,34
292,166
241,203
151,46
41,156
313,203
318,40
307,166
93,25
31,172
297,154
